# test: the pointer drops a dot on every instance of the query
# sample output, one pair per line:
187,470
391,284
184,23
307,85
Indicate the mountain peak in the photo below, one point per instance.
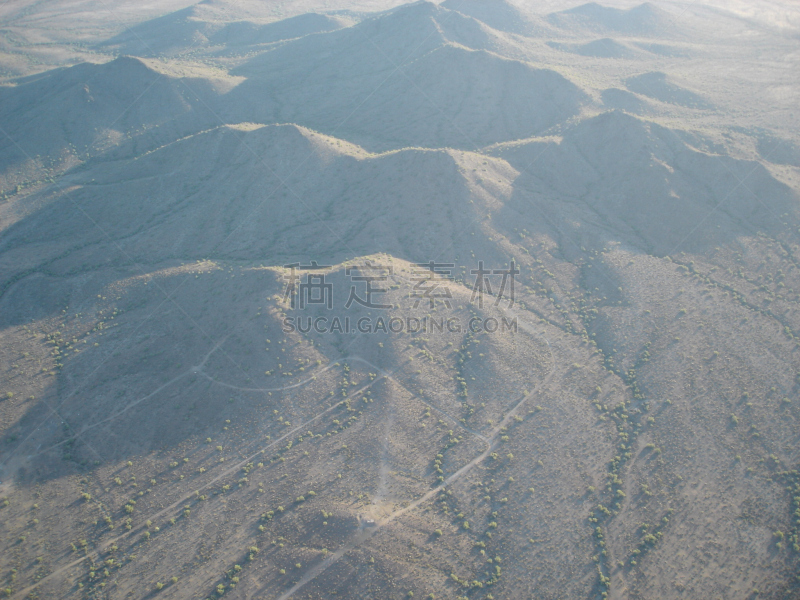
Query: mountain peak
659,86
497,14
602,48
422,8
646,7
590,8
643,19
127,61
249,33
127,69
133,67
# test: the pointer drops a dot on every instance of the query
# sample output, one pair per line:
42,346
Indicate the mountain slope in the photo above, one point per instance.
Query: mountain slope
195,29
642,20
498,14
603,48
659,87
509,346
230,183
216,361
421,104
641,177
175,32
248,33
87,109
615,98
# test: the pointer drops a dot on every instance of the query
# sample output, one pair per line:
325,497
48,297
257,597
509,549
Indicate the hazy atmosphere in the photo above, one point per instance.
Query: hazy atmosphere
374,299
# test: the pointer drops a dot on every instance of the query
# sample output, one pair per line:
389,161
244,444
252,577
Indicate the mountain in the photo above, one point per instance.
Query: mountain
409,92
248,33
380,42
193,29
160,197
603,48
435,107
441,301
670,50
498,14
659,86
431,108
643,20
615,98
636,176
777,149
175,334
180,31
86,109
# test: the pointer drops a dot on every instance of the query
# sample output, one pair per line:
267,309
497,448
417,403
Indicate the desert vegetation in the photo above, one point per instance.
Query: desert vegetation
365,299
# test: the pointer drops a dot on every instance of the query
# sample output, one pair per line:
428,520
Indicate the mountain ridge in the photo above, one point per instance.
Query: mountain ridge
389,301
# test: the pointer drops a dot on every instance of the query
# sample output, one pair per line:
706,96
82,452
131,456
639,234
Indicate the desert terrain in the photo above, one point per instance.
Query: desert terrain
472,299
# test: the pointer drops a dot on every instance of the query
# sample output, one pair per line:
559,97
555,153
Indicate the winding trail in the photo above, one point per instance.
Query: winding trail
363,535
197,369
223,474
382,372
